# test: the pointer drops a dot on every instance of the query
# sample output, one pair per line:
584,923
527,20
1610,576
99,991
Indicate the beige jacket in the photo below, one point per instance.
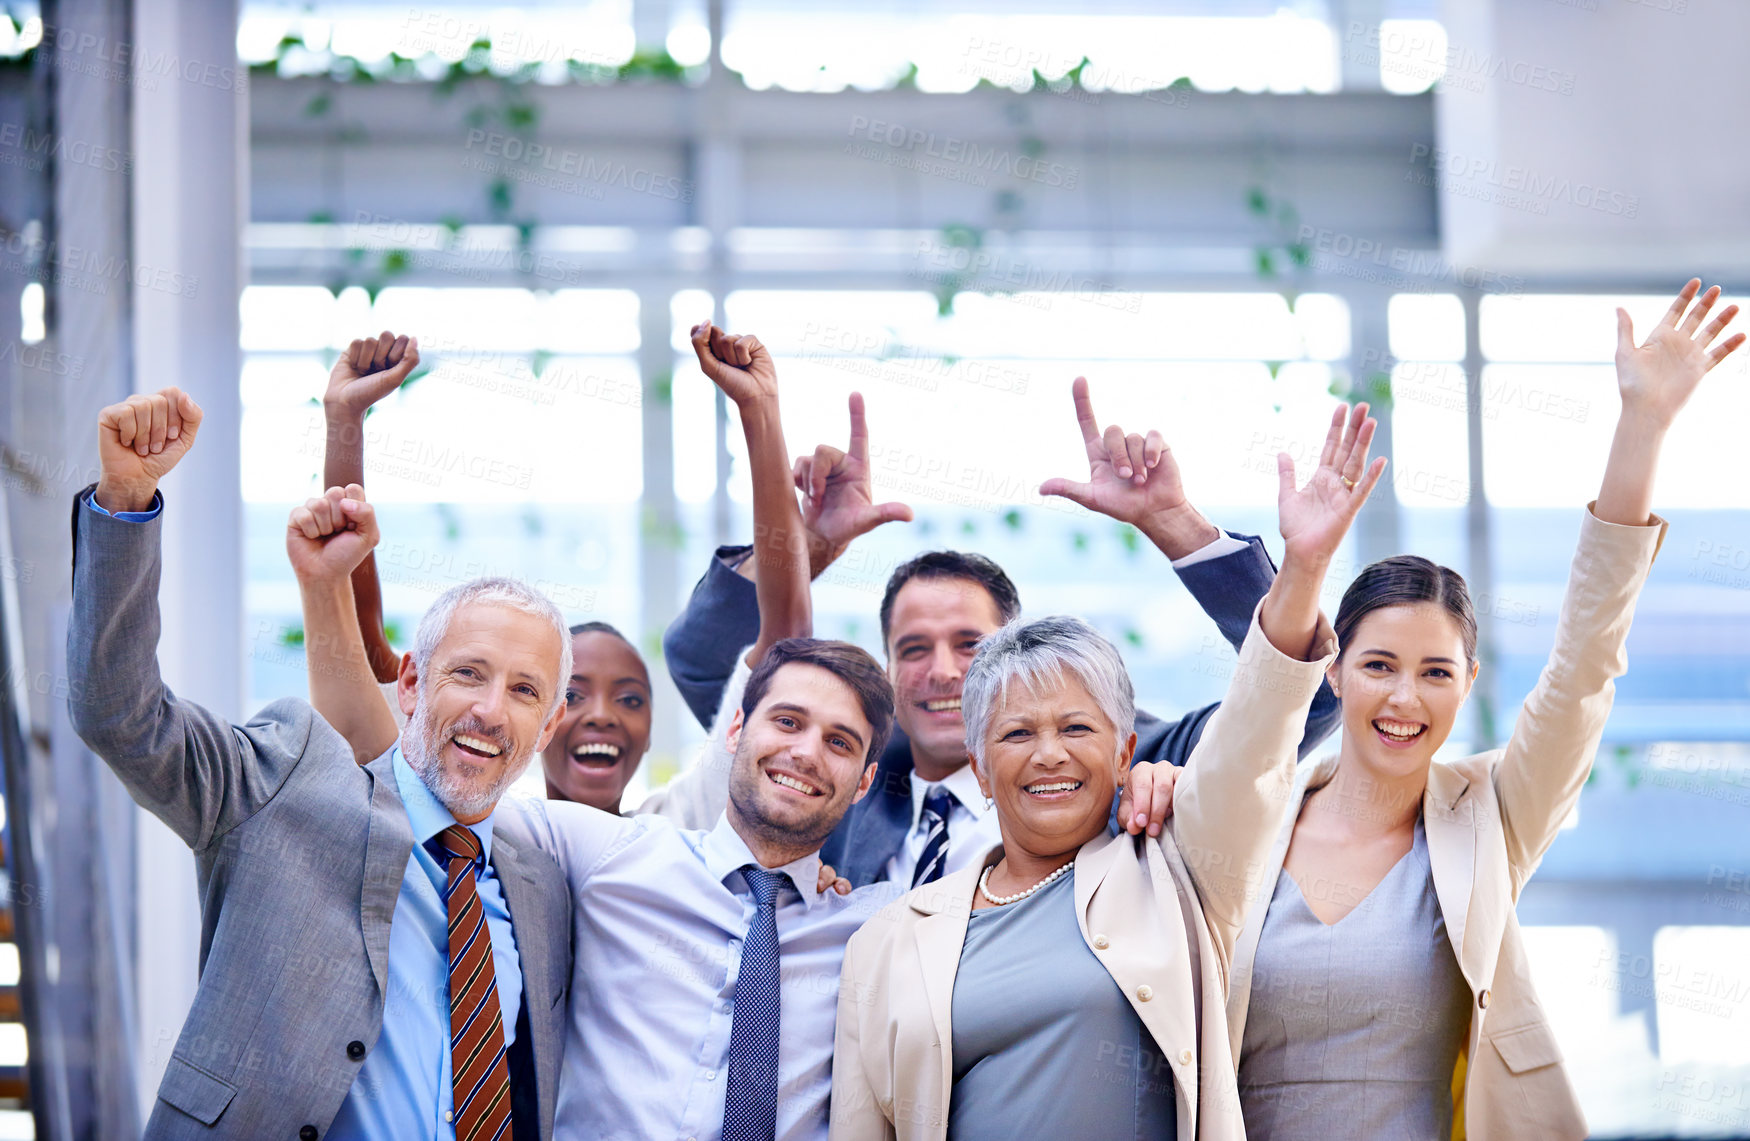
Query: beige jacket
1161,915
1489,819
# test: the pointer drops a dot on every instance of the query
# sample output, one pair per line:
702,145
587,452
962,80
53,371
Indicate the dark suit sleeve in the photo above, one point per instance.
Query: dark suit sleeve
193,770
721,619
1229,589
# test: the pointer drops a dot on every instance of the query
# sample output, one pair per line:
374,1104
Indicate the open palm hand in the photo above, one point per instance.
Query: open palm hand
1658,377
1315,518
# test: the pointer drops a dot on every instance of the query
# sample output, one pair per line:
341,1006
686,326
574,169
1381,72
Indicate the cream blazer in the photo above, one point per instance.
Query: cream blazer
1489,819
1160,915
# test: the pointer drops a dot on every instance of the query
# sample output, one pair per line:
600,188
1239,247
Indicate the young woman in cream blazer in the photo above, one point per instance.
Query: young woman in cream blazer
1364,1031
1115,1021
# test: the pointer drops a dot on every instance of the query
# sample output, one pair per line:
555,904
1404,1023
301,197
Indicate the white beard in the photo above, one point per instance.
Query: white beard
421,744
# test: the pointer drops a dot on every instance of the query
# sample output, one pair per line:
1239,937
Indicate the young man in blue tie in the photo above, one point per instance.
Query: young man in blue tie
705,991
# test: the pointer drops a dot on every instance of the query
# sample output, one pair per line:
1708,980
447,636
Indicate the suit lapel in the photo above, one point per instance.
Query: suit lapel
888,817
524,898
387,849
1448,820
1146,944
946,906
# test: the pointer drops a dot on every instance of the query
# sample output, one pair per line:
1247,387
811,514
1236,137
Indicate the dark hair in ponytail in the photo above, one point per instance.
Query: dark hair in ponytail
1406,580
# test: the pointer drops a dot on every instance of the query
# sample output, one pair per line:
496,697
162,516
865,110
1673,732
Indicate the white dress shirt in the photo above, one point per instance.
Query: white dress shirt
972,827
660,918
1221,546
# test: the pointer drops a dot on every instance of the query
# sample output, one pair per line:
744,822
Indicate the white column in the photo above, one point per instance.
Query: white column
190,203
659,594
1479,571
1377,534
1357,24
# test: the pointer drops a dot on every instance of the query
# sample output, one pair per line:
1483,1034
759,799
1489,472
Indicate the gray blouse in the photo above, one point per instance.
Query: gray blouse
1045,1044
1354,1029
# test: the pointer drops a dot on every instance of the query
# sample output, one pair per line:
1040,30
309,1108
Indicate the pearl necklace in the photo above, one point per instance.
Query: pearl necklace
999,900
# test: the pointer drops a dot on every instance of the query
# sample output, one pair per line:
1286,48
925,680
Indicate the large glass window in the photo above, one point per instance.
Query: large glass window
515,449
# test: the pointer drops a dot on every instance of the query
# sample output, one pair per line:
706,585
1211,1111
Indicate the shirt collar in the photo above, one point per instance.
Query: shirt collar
726,853
427,814
962,785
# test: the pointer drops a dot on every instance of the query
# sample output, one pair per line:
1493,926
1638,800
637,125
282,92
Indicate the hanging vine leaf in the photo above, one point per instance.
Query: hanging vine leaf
1379,391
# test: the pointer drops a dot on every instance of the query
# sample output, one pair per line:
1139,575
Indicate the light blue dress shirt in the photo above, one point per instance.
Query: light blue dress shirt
147,515
403,1090
660,916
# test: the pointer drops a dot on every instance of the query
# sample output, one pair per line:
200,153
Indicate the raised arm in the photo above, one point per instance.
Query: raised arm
1656,380
743,369
722,615
367,371
192,769
1229,802
1555,738
1135,479
326,540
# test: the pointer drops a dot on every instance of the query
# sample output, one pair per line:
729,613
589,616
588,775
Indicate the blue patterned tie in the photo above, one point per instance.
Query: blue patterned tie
934,858
750,1104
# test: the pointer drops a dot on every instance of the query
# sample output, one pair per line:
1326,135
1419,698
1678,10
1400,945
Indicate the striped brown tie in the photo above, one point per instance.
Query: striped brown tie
479,1076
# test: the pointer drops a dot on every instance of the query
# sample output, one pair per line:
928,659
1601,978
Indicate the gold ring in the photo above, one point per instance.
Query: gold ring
1347,482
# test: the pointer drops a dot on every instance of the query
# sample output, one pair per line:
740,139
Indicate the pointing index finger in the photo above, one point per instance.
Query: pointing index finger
859,429
1085,410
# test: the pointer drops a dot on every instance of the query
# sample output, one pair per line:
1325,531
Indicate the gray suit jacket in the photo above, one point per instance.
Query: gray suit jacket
299,854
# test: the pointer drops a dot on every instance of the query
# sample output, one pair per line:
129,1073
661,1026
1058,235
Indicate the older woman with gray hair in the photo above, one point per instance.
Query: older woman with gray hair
1073,985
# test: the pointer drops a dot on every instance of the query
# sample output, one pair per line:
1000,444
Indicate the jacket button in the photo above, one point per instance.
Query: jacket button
1483,1000
308,1133
1101,942
1144,992
1186,1057
355,1050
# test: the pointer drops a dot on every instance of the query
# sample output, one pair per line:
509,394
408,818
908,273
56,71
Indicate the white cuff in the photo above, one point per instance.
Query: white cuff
1216,548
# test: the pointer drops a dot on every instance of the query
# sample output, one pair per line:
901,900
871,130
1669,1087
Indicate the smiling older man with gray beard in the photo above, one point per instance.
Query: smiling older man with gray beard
344,906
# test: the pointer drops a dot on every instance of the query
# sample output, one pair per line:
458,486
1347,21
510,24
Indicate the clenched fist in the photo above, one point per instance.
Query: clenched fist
740,366
329,536
369,369
138,442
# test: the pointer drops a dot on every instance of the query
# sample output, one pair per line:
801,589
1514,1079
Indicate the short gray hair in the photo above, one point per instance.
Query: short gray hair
1038,654
510,592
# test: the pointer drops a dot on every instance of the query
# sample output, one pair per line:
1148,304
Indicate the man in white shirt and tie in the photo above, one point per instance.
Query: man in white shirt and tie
706,961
